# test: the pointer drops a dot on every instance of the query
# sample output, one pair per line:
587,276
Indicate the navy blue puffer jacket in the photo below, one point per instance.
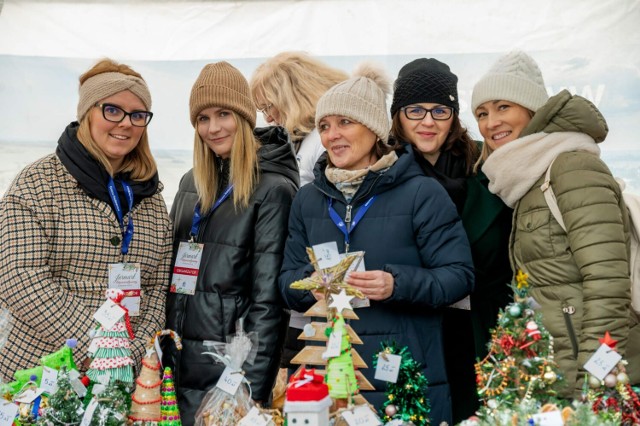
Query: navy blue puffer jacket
413,232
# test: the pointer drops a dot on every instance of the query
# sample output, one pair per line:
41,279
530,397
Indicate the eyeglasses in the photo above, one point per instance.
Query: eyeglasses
415,112
265,110
115,114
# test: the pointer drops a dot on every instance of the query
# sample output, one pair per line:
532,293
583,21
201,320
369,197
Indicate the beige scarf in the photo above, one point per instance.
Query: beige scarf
348,181
515,167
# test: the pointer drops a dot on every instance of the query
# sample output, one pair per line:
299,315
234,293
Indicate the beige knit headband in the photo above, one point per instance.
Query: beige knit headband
109,83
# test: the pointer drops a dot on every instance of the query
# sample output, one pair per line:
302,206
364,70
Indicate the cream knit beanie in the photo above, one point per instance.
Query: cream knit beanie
222,85
515,77
361,98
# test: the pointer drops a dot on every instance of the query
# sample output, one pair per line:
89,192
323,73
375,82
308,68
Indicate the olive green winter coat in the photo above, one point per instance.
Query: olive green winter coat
580,278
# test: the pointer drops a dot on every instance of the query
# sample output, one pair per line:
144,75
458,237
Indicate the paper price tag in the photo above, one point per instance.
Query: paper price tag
230,381
28,395
361,416
108,314
602,362
156,346
76,384
88,412
333,345
49,382
254,418
8,413
551,418
327,254
388,369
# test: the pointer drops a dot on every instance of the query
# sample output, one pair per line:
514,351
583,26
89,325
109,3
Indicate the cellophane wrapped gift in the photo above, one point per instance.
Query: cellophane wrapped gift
219,407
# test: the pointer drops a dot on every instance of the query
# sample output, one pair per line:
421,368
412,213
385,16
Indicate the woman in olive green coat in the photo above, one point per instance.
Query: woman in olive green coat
580,277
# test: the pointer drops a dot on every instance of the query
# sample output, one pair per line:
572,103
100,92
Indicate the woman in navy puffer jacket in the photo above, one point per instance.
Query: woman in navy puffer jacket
416,252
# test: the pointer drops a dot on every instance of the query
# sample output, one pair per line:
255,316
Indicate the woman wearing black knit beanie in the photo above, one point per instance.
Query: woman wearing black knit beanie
425,114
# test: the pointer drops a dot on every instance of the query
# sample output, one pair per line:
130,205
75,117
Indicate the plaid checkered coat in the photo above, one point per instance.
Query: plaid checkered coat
54,254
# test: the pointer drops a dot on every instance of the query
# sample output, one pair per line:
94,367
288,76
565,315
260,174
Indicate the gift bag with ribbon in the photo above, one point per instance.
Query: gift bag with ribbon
230,399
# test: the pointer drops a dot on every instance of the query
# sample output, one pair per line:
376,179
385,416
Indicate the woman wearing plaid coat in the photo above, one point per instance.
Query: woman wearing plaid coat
67,217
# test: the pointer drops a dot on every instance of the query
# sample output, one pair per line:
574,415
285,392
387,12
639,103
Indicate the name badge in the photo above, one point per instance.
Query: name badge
126,277
187,266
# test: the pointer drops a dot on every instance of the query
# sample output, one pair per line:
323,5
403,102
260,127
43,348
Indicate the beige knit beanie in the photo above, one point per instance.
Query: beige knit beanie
222,85
103,85
361,98
515,77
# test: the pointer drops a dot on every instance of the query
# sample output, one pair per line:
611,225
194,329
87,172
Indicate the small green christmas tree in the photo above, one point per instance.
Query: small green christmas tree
65,407
520,365
112,406
169,405
406,399
341,377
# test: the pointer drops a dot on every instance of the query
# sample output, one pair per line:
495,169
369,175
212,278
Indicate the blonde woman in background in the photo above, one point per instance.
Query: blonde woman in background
286,89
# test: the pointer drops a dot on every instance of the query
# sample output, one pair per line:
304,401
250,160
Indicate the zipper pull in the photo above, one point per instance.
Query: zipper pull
347,218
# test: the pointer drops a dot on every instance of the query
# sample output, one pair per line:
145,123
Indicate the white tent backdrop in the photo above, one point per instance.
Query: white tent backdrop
591,47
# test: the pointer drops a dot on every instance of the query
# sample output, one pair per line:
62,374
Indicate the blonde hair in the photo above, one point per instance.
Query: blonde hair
243,166
293,82
139,163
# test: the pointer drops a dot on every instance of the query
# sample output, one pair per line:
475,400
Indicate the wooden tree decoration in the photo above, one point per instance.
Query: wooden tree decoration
330,282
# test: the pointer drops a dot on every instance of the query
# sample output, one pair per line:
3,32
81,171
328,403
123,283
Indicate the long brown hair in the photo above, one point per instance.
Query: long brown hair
458,141
139,163
243,166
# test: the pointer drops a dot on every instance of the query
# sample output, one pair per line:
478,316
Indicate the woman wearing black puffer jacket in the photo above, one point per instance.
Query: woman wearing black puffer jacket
241,188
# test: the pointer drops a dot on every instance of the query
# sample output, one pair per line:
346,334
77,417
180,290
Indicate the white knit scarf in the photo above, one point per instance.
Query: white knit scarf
515,167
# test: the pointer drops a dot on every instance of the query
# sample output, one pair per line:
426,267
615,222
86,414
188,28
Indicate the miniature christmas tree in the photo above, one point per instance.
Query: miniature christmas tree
169,405
111,409
345,385
307,399
613,399
406,399
341,376
520,364
65,407
145,406
113,355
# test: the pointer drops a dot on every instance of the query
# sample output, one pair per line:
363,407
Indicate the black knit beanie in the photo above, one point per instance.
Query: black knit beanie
425,80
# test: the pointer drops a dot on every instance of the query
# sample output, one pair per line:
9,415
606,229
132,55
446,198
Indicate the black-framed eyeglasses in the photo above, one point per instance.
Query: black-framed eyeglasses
414,112
115,114
265,110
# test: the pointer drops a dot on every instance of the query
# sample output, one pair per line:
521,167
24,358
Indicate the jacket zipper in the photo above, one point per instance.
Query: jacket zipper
567,311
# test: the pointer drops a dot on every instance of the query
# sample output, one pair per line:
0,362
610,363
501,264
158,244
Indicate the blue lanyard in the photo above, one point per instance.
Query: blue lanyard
197,215
127,234
347,226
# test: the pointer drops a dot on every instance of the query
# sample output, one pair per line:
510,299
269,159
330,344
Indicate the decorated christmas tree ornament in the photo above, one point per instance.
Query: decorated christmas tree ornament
169,406
65,407
109,408
406,402
112,357
330,280
145,401
341,377
307,399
